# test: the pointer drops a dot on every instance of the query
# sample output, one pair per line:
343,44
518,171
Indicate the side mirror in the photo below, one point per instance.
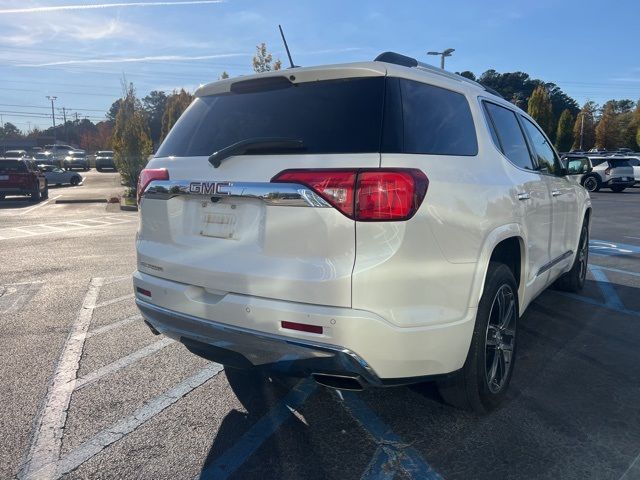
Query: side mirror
572,165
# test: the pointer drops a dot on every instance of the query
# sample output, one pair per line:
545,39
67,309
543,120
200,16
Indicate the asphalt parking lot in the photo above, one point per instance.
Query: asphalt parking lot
90,392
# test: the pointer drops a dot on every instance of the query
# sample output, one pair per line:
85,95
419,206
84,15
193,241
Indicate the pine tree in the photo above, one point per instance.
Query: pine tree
224,75
540,109
564,134
607,129
585,131
131,141
262,60
176,104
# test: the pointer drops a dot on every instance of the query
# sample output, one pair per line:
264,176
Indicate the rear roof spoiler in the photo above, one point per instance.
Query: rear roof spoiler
405,61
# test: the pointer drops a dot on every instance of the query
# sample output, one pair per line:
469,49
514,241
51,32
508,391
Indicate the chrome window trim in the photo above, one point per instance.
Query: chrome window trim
280,194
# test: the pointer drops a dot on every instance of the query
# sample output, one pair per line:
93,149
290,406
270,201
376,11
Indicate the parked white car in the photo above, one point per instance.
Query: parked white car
616,173
58,176
367,224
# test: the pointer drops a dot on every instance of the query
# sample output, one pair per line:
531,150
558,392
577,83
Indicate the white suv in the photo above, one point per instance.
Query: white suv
368,224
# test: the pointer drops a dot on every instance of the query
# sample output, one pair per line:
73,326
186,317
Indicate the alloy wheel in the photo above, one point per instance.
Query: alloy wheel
500,339
591,184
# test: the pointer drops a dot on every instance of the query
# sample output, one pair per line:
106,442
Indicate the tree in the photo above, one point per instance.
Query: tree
584,131
131,141
154,105
467,74
262,60
177,103
224,75
564,134
607,128
540,109
113,110
9,130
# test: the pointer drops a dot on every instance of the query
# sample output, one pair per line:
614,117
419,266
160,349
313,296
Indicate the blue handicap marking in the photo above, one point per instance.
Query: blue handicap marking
601,247
611,298
393,454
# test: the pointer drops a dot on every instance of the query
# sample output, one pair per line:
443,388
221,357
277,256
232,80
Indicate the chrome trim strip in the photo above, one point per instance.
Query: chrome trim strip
555,261
284,194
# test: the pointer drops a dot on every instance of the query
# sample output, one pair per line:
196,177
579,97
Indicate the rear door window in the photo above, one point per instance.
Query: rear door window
336,116
511,140
545,155
436,120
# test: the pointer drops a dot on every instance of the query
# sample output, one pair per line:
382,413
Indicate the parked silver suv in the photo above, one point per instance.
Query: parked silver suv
616,173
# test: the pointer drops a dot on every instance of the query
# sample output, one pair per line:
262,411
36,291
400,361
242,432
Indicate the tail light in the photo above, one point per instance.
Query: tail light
607,171
147,176
365,195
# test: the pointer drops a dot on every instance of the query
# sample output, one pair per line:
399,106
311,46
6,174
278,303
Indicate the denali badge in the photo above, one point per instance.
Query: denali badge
209,188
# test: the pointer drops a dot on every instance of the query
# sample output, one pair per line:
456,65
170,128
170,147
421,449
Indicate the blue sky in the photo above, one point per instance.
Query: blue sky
79,54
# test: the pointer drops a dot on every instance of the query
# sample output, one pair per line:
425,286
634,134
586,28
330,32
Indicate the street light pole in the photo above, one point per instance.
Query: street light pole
446,53
53,115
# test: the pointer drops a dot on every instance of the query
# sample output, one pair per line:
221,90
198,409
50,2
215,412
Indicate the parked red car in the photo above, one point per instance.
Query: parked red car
19,177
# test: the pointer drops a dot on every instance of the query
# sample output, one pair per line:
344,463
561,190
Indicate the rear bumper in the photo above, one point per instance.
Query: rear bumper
15,191
242,348
242,330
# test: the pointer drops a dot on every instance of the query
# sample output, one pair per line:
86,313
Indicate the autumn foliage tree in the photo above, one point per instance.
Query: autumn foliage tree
564,133
262,60
607,129
540,109
131,141
177,103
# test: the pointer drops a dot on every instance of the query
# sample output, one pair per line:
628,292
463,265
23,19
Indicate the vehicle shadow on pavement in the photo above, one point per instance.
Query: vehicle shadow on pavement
16,203
572,410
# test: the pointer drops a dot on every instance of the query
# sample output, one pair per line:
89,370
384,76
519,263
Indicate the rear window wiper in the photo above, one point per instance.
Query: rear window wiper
256,145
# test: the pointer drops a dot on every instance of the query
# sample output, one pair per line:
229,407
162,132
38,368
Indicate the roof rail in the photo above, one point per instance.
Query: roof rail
405,61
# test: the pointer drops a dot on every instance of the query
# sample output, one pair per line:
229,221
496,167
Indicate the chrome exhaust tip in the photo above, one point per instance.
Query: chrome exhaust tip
339,382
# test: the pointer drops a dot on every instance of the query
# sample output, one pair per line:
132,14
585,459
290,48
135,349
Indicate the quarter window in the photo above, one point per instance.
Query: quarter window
545,155
437,121
509,135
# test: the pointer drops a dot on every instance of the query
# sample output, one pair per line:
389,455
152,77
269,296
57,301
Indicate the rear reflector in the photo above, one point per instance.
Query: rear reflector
144,292
302,327
381,194
148,175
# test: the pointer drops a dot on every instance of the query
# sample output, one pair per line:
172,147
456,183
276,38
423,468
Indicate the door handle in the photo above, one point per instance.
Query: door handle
556,193
524,196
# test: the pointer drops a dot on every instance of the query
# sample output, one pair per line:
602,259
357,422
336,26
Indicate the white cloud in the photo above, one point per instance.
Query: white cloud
152,58
103,6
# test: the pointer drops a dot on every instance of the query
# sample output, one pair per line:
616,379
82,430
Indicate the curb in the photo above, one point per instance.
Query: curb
128,208
82,200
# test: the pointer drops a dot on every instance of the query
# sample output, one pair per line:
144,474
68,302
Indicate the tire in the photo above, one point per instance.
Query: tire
573,280
482,383
617,189
74,181
45,192
98,169
591,183
35,196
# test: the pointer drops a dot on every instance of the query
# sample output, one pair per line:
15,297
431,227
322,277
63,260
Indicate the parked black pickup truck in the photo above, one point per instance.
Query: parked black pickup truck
19,177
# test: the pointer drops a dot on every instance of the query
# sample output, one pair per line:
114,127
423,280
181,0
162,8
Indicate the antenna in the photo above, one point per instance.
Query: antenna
286,47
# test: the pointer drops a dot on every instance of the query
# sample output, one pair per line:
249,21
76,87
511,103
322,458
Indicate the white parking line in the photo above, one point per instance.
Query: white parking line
113,326
10,233
121,363
114,300
112,434
41,204
47,441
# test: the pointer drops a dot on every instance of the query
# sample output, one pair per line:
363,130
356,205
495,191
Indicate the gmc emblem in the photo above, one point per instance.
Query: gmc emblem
209,188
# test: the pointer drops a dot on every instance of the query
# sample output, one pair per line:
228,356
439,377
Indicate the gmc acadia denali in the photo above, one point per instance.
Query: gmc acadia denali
367,224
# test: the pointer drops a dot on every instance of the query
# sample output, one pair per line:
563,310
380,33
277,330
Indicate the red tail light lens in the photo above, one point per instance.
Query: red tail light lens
148,175
365,195
607,171
335,186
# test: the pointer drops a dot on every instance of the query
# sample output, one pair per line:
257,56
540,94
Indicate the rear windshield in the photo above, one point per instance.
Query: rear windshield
12,166
342,116
14,155
77,154
357,115
619,163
